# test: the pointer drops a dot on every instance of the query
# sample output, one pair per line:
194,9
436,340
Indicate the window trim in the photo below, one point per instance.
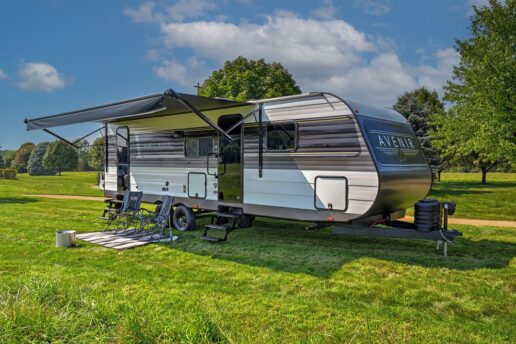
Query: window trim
296,137
198,137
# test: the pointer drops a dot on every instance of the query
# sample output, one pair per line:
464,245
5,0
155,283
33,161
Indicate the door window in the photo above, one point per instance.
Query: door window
122,145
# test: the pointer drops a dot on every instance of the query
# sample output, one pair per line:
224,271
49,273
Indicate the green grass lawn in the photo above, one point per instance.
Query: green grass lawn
275,282
493,201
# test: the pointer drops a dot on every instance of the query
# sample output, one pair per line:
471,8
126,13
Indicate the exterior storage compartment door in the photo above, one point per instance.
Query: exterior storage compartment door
197,185
331,193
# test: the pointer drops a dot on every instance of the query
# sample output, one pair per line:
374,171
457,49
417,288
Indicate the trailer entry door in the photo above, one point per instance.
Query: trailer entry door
122,159
230,157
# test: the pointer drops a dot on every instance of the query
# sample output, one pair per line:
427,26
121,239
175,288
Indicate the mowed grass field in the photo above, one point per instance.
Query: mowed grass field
274,283
495,200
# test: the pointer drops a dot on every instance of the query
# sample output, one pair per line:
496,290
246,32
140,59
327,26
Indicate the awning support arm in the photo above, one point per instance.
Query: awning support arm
241,121
85,136
260,142
171,93
60,138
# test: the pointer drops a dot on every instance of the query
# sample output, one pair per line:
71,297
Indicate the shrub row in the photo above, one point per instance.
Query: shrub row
8,173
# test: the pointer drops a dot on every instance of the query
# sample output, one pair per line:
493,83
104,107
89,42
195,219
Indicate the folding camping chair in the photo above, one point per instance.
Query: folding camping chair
127,214
154,222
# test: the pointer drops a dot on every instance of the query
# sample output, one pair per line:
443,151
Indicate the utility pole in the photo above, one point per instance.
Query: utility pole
198,87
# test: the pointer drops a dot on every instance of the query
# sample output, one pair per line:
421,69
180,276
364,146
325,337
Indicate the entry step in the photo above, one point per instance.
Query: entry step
219,227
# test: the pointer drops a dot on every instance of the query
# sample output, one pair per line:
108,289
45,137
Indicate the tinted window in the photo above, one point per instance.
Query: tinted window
198,146
281,136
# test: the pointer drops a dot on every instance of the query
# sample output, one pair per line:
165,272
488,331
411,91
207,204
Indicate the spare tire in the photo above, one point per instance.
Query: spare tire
427,215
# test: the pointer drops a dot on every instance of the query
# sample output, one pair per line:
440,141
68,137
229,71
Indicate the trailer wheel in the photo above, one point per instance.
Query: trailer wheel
183,218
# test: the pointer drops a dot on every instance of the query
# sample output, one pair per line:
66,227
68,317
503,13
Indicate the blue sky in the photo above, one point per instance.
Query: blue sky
60,55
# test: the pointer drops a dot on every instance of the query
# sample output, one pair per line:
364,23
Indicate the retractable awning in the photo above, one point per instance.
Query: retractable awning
168,103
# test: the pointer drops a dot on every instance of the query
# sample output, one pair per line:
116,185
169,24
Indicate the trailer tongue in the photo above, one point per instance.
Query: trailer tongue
430,223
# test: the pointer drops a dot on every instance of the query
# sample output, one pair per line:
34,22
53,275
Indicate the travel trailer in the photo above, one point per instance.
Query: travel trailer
312,157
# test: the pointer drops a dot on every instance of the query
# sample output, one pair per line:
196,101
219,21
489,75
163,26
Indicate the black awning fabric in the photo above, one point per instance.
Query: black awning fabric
148,106
99,113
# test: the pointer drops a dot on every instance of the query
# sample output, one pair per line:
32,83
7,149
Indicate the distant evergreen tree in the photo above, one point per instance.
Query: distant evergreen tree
35,165
418,106
83,164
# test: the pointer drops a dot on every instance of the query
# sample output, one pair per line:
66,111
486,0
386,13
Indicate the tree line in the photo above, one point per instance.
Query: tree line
50,158
476,131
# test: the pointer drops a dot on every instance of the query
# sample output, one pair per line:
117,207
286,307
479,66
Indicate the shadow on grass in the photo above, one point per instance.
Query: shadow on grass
17,200
288,248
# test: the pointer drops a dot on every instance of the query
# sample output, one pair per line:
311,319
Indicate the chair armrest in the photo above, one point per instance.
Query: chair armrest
146,211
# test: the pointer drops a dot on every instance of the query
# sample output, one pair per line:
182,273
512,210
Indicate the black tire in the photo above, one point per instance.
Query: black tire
183,218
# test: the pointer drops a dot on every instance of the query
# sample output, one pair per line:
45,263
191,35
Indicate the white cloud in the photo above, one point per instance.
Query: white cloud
323,55
374,7
326,11
177,12
184,9
40,76
142,14
377,82
434,77
185,75
3,75
283,37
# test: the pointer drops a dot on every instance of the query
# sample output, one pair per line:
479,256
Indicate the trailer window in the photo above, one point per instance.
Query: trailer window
198,146
281,136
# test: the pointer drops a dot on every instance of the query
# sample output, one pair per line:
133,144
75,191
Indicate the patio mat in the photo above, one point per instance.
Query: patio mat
122,240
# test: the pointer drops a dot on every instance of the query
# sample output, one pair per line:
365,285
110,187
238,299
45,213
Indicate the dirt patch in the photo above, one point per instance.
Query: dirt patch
82,198
473,222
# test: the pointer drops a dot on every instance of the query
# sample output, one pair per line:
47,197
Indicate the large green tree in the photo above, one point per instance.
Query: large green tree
418,106
96,154
60,156
242,79
22,156
480,127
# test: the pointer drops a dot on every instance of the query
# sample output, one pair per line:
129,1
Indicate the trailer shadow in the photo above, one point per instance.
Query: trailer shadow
288,248
17,200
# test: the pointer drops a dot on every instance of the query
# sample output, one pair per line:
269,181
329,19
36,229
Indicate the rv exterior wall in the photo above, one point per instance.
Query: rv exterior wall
330,171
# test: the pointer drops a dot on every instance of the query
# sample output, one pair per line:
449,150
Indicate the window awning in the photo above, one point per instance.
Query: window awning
168,103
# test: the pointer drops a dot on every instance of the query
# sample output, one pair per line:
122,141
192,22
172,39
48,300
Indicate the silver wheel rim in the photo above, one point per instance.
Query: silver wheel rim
181,220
